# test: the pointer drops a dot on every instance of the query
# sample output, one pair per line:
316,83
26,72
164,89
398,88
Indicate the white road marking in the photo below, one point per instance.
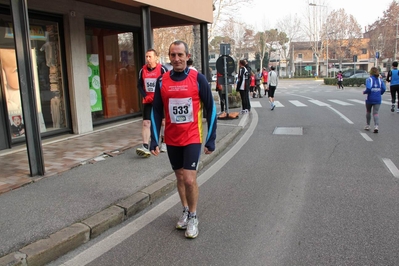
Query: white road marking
391,166
340,102
255,104
356,101
278,104
366,137
341,115
319,103
297,103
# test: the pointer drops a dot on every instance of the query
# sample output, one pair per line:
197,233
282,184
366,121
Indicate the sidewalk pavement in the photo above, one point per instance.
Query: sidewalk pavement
50,217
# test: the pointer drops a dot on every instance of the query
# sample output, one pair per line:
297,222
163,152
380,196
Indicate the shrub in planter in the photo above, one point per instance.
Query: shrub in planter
234,99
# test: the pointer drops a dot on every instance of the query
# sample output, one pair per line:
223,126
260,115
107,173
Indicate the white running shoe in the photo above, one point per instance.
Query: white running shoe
182,222
367,128
376,129
163,147
192,227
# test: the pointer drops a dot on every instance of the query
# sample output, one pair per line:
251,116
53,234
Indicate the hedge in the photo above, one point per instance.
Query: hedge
347,82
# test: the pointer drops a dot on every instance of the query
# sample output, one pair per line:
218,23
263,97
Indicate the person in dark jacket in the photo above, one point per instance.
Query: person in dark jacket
375,87
243,87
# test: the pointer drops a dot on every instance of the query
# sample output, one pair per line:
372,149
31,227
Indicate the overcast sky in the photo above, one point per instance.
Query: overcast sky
268,12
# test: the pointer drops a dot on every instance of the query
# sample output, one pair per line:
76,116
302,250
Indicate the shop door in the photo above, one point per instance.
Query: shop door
4,127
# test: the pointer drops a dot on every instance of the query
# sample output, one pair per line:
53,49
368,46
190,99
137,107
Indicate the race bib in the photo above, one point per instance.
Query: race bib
150,84
181,110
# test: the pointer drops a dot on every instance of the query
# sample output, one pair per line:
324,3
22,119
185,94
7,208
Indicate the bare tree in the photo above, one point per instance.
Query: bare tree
292,26
163,37
236,31
383,33
262,44
223,11
345,37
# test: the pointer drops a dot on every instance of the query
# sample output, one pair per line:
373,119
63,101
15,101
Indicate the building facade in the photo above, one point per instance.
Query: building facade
84,56
305,63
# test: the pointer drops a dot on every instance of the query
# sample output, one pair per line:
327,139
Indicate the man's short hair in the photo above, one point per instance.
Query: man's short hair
395,64
178,43
152,50
272,68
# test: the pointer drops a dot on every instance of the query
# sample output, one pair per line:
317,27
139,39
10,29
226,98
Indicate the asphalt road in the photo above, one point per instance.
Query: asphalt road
324,192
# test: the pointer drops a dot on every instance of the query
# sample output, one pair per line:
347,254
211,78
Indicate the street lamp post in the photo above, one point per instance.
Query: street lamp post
313,4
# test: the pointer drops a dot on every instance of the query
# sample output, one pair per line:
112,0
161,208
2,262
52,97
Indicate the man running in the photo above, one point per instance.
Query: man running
393,78
146,85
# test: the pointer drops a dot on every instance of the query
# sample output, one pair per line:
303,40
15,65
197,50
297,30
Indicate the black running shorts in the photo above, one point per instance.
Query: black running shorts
147,107
185,157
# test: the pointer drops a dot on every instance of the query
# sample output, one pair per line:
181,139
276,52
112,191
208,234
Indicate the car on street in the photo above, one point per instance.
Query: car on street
360,75
214,77
349,72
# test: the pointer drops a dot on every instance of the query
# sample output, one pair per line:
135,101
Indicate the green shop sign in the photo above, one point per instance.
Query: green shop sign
94,83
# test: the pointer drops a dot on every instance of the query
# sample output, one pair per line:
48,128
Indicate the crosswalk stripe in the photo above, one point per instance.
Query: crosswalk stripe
297,103
319,103
340,102
255,104
356,101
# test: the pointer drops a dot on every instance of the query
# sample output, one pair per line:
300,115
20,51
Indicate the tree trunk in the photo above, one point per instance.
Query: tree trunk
196,52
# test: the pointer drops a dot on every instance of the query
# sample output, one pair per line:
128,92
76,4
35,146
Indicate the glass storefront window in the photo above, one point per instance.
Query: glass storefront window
47,74
112,73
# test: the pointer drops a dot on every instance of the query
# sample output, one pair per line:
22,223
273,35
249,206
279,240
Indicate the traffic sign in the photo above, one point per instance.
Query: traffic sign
231,67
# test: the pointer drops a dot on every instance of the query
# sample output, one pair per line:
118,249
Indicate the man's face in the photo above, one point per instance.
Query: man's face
151,59
178,57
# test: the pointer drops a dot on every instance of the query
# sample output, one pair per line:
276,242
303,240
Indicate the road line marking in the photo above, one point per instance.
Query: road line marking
297,103
356,101
341,115
391,166
319,103
340,102
366,137
255,104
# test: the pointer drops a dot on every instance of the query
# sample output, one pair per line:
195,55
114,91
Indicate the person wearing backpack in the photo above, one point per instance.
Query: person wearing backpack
375,87
393,78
